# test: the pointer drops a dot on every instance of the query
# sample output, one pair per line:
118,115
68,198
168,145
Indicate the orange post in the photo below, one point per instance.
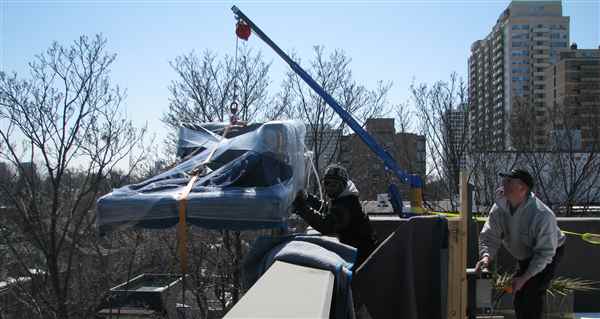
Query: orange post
182,237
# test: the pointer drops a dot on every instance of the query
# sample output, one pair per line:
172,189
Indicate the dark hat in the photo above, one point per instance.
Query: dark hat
335,171
520,174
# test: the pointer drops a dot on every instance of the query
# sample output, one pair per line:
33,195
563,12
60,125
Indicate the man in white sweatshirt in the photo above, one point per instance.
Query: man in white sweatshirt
527,228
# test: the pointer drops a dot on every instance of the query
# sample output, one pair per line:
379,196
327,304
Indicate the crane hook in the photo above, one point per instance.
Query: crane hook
242,30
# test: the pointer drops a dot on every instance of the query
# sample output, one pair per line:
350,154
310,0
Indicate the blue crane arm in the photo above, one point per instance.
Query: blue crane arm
388,160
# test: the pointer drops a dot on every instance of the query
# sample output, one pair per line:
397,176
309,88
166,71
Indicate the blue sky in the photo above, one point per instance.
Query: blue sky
387,40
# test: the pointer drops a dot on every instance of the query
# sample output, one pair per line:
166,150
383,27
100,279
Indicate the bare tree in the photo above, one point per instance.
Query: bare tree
559,146
206,87
557,143
324,127
484,168
447,140
561,152
404,116
63,132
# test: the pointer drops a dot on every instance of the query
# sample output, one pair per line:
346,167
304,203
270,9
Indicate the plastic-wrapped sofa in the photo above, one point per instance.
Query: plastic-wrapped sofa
245,181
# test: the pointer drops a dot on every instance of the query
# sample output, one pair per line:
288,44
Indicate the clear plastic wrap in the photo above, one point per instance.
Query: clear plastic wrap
247,181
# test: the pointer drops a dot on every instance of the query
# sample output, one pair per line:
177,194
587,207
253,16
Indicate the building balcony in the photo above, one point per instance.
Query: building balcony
541,47
589,67
589,79
542,30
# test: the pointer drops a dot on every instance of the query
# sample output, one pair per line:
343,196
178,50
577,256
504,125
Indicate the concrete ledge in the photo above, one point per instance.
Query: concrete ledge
287,291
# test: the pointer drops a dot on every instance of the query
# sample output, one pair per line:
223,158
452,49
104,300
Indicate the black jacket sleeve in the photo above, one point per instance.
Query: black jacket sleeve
313,211
314,202
325,219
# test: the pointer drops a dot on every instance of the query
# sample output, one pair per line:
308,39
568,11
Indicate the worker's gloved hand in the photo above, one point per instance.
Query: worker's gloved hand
518,283
483,264
300,200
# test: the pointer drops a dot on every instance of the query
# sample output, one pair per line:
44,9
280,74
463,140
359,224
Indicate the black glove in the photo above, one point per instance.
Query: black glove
300,200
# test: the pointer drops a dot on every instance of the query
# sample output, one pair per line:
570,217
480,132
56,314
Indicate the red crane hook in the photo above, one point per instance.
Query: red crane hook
242,29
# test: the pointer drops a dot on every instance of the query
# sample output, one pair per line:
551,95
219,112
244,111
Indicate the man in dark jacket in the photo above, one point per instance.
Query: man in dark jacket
341,215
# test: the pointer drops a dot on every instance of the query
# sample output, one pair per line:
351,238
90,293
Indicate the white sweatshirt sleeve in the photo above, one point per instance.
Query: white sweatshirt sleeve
490,238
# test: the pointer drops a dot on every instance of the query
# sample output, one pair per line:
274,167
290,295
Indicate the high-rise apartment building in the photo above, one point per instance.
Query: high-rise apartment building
506,72
455,142
573,97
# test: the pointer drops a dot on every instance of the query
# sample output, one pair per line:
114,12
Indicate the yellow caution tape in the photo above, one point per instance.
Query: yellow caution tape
588,237
449,214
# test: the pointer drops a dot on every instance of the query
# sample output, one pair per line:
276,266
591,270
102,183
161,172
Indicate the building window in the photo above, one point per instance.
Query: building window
520,53
520,70
558,44
520,27
519,44
519,91
520,78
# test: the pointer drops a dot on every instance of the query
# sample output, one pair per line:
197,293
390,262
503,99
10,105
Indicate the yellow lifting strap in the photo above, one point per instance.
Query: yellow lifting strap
182,227
182,237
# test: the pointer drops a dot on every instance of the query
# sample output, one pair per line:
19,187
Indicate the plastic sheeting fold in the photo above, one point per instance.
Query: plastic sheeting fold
247,181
